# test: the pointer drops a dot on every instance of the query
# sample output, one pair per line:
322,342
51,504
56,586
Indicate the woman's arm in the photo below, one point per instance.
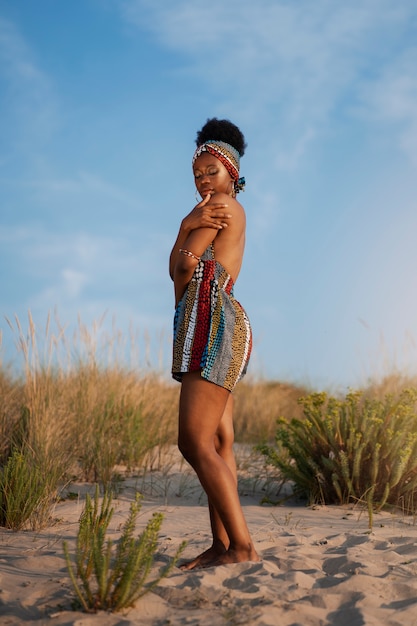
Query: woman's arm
194,246
203,215
229,246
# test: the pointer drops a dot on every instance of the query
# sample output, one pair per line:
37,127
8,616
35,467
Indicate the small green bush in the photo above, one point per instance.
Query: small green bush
356,449
119,574
118,434
26,493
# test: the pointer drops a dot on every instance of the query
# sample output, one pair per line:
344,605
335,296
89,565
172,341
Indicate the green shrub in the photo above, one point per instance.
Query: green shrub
118,433
120,574
356,449
26,493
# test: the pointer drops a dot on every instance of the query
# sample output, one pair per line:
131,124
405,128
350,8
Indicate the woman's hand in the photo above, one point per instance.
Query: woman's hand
207,214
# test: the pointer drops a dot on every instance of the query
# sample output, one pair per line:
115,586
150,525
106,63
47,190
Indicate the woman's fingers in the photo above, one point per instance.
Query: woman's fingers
217,218
218,215
218,209
204,200
211,215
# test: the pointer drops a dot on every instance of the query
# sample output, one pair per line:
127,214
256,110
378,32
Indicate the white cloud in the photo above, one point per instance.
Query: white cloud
32,104
84,184
290,160
391,98
291,65
69,266
74,282
104,281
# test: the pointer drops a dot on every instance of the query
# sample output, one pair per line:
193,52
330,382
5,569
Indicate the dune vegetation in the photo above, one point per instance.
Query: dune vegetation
72,414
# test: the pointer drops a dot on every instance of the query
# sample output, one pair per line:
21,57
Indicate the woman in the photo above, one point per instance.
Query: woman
212,335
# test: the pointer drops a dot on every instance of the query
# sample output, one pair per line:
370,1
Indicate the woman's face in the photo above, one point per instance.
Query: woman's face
211,176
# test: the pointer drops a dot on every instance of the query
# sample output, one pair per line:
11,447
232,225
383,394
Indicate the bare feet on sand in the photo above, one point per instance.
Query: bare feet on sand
213,557
203,559
235,556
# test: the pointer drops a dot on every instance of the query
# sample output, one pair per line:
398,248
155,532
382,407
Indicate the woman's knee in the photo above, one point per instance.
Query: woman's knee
189,448
224,440
225,436
196,450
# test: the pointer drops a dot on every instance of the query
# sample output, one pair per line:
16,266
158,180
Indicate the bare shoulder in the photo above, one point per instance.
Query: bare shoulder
232,204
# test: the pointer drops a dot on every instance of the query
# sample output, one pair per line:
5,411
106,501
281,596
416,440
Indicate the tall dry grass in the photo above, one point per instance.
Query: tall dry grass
77,411
83,410
71,415
258,405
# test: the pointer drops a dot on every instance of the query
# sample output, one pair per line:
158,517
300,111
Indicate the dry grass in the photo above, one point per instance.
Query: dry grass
393,384
68,416
258,406
78,412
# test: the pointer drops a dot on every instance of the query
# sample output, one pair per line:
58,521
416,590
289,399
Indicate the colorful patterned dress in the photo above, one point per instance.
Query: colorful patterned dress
212,332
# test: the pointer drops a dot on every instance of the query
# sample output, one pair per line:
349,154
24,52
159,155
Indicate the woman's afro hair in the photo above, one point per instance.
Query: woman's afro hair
222,130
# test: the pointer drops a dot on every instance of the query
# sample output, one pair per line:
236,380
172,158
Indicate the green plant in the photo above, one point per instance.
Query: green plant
112,578
118,434
356,449
26,495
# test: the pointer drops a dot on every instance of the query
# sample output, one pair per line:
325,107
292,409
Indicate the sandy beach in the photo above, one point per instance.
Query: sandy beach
320,565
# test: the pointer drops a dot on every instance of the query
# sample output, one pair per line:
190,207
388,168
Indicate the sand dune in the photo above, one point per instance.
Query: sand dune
320,566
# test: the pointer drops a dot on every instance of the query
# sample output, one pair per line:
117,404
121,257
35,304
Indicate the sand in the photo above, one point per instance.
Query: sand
320,565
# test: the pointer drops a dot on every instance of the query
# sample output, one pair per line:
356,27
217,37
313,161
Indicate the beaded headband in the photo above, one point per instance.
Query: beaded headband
228,155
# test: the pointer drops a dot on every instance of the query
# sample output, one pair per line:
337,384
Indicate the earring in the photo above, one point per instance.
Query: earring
196,196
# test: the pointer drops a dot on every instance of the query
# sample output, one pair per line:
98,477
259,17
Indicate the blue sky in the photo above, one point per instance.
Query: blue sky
100,102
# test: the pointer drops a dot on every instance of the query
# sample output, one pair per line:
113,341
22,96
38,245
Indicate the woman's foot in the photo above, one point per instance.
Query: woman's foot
233,555
205,558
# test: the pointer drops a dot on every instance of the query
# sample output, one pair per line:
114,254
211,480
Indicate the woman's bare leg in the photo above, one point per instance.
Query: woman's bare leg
224,439
202,406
